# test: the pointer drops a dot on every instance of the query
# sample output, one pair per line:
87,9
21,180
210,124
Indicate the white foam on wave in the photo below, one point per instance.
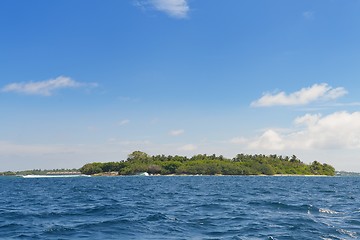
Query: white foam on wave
328,211
346,232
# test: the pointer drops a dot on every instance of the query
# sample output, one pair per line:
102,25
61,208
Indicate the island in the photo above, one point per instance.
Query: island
140,163
242,164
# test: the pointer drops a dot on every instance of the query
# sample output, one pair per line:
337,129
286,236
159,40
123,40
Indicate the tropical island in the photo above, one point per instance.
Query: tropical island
242,164
202,164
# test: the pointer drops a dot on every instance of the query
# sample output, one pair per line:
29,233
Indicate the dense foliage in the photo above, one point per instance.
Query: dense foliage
242,164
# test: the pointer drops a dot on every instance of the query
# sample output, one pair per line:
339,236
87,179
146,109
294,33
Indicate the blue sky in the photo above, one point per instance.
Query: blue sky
85,81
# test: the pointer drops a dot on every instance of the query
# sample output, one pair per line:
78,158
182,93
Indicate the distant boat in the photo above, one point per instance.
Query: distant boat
55,176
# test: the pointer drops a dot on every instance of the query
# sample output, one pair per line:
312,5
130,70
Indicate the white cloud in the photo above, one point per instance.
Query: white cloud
307,119
124,122
174,8
176,132
316,92
45,88
270,139
340,130
188,148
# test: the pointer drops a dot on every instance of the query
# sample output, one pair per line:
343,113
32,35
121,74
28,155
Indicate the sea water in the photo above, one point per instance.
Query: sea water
180,207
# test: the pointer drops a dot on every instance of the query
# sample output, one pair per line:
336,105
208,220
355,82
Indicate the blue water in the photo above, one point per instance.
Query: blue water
198,207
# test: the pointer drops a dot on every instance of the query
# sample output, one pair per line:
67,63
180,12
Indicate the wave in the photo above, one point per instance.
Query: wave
328,211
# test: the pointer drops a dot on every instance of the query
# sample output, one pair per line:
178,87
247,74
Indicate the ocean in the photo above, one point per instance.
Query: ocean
180,207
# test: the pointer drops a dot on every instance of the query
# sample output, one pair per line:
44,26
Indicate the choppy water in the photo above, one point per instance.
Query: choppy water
198,207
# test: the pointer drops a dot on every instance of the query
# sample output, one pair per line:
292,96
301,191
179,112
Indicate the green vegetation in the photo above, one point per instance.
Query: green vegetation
38,172
7,173
242,164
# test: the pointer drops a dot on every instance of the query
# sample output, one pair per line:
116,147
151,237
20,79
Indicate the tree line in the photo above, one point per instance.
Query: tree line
242,164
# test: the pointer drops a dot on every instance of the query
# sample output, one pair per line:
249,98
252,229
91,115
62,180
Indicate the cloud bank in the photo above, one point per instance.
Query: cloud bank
317,92
45,88
339,130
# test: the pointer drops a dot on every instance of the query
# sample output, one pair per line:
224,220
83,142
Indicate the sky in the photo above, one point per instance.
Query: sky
84,81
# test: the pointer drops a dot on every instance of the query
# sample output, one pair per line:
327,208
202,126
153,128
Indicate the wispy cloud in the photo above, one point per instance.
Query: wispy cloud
308,15
134,143
123,122
316,92
188,148
45,88
177,132
174,8
129,99
238,140
350,104
339,130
